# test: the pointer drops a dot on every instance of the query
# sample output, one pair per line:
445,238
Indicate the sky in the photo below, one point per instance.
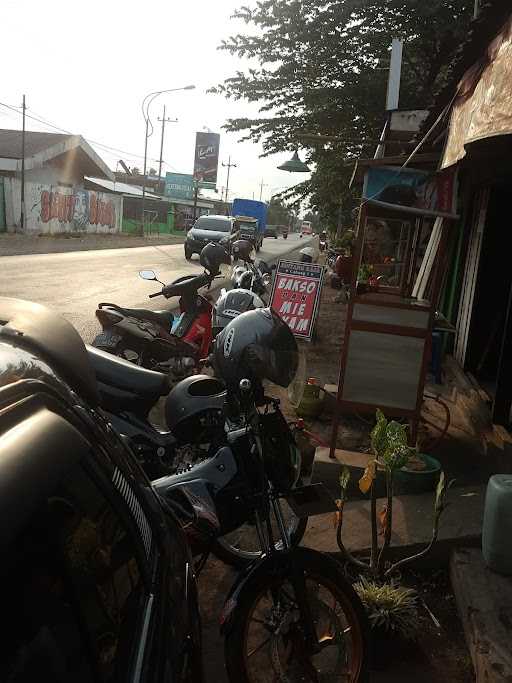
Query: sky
86,67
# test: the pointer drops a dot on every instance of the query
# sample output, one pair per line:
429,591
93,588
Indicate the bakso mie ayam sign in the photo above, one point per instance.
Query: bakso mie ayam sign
296,295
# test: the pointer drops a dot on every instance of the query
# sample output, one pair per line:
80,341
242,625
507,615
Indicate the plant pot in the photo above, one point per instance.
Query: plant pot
418,481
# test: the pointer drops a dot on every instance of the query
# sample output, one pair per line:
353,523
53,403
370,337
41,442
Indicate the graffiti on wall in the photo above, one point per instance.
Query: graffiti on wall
82,208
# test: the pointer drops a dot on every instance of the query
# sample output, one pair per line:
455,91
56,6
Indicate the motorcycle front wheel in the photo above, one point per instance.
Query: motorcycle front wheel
265,640
241,547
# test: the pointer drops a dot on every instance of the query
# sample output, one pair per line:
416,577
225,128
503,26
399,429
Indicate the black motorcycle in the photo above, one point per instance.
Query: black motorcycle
293,611
194,419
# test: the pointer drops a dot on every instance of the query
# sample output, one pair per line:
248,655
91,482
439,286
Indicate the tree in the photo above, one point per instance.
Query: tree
278,213
322,68
152,171
135,171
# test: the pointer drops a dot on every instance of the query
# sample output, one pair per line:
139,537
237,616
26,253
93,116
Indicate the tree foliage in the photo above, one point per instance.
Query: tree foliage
279,213
322,68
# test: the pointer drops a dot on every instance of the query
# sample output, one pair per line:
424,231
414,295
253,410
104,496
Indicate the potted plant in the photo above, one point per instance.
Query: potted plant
393,616
364,275
391,451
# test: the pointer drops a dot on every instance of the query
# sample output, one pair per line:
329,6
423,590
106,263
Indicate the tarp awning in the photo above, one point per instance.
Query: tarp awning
483,105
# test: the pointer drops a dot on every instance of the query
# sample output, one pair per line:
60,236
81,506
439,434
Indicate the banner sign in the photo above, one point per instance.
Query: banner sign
405,189
179,186
206,159
296,295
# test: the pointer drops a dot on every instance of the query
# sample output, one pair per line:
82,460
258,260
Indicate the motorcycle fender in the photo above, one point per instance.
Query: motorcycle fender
279,563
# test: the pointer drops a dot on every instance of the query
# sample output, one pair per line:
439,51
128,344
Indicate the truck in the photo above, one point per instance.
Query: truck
251,217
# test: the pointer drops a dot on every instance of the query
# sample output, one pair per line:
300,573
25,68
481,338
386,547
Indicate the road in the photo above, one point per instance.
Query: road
74,283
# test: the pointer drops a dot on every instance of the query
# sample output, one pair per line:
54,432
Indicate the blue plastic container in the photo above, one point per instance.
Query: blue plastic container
497,528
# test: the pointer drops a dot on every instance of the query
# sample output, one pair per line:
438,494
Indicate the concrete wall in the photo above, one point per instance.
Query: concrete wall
53,208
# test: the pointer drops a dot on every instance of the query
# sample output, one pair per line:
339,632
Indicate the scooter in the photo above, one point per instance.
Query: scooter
156,339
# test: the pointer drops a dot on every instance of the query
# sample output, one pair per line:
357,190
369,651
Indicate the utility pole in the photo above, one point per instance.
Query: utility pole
164,120
476,11
262,185
228,165
22,213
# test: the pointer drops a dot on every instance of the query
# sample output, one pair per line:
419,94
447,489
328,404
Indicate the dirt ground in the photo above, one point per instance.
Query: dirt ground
14,245
439,655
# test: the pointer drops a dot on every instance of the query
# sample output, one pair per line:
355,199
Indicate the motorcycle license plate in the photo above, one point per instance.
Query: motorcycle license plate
310,500
107,340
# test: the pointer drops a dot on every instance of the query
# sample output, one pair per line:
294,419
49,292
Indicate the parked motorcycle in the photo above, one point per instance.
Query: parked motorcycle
250,280
155,339
293,610
195,417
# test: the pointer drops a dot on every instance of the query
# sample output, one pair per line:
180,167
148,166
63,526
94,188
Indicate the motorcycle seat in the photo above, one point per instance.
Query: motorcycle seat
121,374
163,318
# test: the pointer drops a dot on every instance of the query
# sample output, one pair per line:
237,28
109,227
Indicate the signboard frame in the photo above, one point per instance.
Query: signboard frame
292,269
206,159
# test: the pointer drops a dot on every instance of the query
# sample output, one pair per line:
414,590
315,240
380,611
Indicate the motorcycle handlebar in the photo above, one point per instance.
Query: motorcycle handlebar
151,296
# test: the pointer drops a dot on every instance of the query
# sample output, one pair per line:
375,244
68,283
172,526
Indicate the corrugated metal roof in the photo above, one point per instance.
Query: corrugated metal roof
121,188
10,142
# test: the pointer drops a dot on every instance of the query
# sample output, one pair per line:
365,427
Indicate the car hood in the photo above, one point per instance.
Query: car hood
208,235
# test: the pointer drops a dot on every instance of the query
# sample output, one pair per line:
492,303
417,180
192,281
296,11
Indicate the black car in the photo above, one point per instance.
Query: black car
223,229
96,582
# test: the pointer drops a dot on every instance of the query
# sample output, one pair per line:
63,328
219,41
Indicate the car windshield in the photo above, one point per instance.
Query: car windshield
216,224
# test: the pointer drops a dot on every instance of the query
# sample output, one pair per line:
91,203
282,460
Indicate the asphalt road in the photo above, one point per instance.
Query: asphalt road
74,283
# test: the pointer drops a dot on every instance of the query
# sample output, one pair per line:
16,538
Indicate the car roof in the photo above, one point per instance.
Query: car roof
53,339
217,217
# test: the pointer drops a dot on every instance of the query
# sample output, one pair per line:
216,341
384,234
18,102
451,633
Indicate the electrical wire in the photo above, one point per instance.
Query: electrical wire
41,120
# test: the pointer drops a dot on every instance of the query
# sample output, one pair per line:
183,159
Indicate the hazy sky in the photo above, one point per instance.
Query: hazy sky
87,66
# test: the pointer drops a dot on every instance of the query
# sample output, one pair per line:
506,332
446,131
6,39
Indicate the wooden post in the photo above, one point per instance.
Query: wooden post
503,395
356,258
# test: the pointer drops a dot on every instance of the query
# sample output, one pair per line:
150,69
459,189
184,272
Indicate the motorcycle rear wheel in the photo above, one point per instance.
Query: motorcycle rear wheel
264,640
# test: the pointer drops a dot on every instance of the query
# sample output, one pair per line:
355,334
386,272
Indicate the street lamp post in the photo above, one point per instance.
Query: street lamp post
146,103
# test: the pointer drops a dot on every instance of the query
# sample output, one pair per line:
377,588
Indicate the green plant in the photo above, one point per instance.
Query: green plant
365,272
390,452
391,608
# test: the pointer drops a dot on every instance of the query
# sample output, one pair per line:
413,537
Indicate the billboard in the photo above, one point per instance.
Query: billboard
407,189
179,186
296,295
206,159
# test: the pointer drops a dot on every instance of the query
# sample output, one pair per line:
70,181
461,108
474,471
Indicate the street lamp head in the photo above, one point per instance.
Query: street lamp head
189,87
294,165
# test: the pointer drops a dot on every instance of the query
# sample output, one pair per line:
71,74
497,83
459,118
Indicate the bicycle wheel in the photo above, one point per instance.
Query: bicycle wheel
265,638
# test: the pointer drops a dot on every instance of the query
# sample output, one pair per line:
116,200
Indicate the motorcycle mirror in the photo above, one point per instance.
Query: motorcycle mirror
148,275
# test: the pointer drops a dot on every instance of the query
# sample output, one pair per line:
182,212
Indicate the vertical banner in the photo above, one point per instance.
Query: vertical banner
296,295
206,160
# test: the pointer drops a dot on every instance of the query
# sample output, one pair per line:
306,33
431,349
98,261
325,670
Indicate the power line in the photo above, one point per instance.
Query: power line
116,150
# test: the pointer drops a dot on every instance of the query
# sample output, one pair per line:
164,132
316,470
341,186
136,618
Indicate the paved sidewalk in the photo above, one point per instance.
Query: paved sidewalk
16,245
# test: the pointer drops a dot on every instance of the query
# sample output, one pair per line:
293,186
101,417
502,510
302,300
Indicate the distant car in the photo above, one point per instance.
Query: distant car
207,229
271,231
